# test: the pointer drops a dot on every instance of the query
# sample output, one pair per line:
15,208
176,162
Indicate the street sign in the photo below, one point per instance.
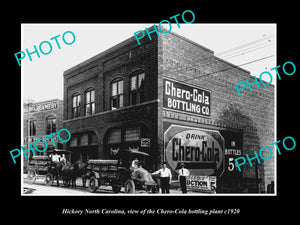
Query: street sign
145,142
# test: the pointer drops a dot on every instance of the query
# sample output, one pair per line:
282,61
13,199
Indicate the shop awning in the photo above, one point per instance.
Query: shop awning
59,151
137,152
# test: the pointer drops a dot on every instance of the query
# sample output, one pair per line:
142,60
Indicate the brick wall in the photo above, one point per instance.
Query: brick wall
187,61
175,57
40,118
118,62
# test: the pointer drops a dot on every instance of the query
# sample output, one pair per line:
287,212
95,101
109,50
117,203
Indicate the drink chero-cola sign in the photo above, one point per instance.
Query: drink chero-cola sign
201,150
186,98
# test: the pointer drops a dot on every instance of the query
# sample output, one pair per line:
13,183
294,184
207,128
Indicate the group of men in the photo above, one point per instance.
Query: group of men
58,158
165,176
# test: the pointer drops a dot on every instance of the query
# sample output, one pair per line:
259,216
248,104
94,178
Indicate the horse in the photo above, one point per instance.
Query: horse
55,169
70,172
80,169
65,174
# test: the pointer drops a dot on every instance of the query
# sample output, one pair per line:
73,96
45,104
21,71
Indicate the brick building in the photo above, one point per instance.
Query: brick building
41,119
175,94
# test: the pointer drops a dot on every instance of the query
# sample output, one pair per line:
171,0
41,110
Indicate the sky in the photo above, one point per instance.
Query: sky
42,78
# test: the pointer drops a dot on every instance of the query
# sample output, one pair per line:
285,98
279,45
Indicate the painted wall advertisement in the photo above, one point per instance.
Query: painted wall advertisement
43,106
233,150
186,98
201,150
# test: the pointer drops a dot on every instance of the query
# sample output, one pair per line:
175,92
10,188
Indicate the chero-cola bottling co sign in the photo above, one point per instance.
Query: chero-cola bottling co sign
201,150
185,98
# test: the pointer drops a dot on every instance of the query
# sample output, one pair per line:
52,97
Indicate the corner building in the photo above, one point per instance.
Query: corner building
175,100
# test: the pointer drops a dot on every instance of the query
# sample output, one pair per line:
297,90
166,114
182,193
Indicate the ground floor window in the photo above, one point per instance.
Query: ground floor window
83,154
118,141
84,146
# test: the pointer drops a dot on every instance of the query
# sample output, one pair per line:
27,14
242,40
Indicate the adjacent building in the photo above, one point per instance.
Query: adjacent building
175,100
39,120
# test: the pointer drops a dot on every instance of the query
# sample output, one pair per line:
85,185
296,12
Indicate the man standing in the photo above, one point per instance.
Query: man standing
63,159
165,178
183,173
55,157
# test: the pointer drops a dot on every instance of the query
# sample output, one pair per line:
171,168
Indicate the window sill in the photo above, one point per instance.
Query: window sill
113,110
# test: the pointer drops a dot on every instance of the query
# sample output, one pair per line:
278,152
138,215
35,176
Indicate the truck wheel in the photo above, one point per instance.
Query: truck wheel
129,186
93,184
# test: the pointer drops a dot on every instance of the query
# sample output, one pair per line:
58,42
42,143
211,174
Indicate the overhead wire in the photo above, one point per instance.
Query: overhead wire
214,59
247,44
234,54
246,63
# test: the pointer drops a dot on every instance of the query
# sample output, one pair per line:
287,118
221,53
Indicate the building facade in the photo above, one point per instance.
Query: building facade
173,99
39,120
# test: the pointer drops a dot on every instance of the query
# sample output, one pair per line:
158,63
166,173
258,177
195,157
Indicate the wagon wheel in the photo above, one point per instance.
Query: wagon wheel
129,186
31,176
49,179
93,184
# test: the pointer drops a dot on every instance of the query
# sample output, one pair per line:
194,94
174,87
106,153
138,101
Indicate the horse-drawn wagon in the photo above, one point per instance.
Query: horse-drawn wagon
45,167
116,173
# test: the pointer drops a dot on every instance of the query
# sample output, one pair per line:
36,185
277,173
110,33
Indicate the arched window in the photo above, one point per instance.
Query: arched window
116,99
51,125
32,129
76,100
137,81
89,102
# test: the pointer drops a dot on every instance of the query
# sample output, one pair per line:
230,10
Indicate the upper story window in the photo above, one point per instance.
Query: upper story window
116,100
90,102
51,124
137,88
76,105
32,128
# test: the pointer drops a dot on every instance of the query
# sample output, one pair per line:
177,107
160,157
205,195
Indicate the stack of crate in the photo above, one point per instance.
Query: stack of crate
106,168
39,163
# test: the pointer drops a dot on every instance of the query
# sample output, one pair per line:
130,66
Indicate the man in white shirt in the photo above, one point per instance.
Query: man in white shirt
55,157
63,159
183,173
165,178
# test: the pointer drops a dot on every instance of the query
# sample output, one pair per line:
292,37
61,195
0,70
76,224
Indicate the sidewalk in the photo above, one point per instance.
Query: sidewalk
39,188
